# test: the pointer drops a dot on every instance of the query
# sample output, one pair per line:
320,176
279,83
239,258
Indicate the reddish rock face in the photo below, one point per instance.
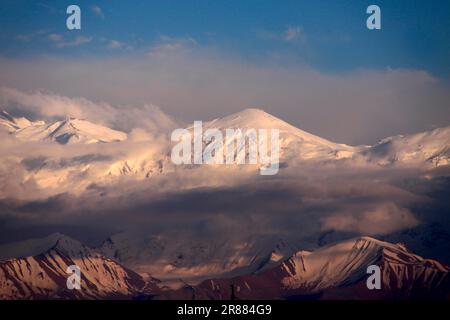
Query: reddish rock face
44,276
334,272
337,271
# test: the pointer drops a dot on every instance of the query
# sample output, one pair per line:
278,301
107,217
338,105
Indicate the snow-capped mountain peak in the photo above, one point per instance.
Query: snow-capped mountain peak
71,130
33,247
249,118
335,271
295,143
11,123
346,263
43,274
338,269
259,119
297,148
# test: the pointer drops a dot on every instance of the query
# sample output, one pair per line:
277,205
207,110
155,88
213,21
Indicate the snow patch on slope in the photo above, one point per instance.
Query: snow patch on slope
346,262
43,275
432,147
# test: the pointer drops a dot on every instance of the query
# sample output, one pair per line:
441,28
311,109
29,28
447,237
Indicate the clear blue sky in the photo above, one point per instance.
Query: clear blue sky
329,35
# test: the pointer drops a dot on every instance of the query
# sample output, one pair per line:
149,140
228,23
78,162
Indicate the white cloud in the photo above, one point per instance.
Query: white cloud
169,46
98,11
55,37
43,105
383,219
77,41
294,33
191,82
115,44
291,34
23,38
31,36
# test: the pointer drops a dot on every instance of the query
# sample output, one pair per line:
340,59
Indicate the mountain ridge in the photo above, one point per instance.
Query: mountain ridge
339,274
332,271
298,149
43,276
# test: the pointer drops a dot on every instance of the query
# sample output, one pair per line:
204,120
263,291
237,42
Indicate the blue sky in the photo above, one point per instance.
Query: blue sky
327,35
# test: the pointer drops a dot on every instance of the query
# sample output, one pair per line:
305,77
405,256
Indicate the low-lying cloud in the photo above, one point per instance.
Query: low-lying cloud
300,205
39,105
190,82
385,218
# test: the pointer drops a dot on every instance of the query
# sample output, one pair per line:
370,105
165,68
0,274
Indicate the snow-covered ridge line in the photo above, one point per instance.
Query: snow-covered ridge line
338,266
43,275
336,271
424,150
425,147
13,124
67,131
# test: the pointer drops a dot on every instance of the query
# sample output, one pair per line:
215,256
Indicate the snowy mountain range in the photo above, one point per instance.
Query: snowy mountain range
80,158
294,143
68,131
430,146
335,271
422,150
195,259
14,124
39,272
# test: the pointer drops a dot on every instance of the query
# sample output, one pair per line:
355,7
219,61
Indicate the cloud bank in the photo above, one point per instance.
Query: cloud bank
39,105
190,81
136,92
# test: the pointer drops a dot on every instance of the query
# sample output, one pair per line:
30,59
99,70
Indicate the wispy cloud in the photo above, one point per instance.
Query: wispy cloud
170,45
384,218
49,8
23,37
77,41
98,11
55,37
181,75
31,36
294,33
115,44
290,34
46,106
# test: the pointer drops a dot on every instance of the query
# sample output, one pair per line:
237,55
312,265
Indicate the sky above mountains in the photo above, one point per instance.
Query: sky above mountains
312,63
329,35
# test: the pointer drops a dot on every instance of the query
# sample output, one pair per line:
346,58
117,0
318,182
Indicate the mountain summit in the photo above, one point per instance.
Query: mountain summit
295,143
13,124
67,131
298,148
42,275
336,271
71,130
